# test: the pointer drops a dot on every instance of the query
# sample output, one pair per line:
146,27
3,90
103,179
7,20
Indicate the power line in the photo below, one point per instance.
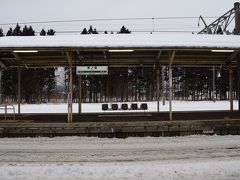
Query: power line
111,19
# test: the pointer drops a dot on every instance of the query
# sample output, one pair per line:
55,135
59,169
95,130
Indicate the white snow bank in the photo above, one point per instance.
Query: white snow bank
152,107
123,41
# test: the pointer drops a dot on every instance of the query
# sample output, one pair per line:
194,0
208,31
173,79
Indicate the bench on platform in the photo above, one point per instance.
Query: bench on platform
114,107
124,107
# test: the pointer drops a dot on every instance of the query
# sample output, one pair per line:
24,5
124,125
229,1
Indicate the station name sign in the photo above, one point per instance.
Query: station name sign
92,70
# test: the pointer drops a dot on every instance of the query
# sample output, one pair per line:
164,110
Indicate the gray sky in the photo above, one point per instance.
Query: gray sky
13,11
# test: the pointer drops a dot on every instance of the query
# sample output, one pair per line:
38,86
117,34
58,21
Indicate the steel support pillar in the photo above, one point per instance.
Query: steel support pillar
237,17
80,94
70,87
19,89
237,31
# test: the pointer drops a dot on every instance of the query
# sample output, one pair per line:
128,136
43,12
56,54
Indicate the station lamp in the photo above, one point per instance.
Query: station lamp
25,51
120,50
222,50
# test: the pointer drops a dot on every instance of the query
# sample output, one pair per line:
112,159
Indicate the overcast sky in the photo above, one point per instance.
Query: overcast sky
13,11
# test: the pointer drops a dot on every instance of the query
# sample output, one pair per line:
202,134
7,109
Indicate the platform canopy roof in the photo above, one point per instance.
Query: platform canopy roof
119,50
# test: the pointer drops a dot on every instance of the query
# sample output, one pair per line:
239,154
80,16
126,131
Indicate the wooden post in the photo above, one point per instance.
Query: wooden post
158,78
19,89
230,87
238,81
70,87
163,86
80,94
213,85
158,89
171,58
1,98
170,93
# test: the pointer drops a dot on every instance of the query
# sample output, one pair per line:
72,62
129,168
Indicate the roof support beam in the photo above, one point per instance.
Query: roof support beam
171,58
16,56
159,54
19,59
231,57
104,55
2,65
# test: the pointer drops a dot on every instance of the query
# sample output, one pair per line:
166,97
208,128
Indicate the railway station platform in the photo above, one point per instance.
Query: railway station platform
122,125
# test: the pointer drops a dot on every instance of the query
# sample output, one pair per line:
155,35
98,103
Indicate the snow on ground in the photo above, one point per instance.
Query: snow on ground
152,107
191,157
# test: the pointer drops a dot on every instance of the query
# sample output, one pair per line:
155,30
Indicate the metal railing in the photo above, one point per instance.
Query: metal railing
7,107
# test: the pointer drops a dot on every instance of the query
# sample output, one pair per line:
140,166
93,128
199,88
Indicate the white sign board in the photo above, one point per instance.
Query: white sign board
92,70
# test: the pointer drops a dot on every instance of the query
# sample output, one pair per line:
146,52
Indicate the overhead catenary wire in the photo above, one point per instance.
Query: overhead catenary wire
158,24
107,19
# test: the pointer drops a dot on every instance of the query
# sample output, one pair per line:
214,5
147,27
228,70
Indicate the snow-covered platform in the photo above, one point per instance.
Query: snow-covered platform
188,118
185,123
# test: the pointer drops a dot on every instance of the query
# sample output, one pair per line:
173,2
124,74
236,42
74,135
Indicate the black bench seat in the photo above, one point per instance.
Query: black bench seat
124,107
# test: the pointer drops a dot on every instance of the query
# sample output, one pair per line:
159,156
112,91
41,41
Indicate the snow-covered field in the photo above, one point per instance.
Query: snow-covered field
152,106
148,158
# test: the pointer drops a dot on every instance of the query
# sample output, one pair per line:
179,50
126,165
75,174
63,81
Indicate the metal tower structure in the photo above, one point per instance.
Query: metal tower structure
220,25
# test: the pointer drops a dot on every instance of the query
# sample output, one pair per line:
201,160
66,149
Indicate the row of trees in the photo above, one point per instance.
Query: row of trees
28,31
140,84
122,84
37,85
92,30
